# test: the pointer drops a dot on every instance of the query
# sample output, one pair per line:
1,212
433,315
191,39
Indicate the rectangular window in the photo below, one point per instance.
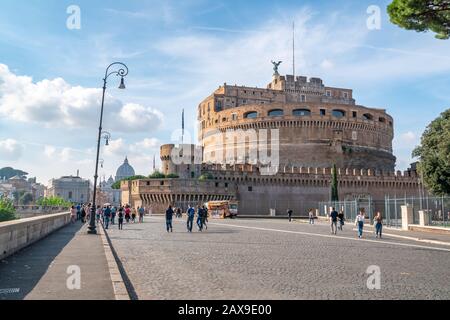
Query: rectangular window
234,116
250,188
354,114
226,184
217,184
322,112
328,93
345,95
70,194
303,98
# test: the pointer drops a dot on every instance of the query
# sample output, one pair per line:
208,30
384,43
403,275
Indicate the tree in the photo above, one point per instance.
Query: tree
172,176
422,16
7,210
334,185
26,199
157,175
434,155
9,172
116,185
53,202
206,176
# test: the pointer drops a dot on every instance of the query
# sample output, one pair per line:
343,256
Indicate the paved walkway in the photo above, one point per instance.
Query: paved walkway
39,272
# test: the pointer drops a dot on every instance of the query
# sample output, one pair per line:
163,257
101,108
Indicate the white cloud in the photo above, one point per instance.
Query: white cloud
327,64
55,103
10,150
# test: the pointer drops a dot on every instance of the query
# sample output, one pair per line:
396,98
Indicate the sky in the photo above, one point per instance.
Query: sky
53,60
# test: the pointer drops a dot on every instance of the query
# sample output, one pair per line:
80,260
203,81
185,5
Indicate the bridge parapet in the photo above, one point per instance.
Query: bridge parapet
18,234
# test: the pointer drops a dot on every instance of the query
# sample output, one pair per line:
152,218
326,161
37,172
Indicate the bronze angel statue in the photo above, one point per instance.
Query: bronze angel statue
276,65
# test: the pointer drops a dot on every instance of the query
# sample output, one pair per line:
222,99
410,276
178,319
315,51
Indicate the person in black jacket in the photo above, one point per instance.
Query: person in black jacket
169,217
289,212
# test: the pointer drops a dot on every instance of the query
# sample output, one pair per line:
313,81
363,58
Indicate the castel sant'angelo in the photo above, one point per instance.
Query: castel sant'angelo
275,148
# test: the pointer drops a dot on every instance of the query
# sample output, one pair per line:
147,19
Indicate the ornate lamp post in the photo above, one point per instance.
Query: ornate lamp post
122,71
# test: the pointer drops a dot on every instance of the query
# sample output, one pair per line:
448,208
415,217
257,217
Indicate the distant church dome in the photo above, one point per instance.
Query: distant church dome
124,171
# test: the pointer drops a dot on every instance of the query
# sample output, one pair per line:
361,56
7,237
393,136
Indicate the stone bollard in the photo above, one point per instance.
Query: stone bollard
424,218
407,216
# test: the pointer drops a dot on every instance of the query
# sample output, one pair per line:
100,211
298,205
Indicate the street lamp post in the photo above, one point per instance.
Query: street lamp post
122,71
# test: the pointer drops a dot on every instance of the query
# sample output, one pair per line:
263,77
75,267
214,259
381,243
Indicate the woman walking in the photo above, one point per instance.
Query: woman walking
378,220
341,219
133,215
360,222
73,214
127,213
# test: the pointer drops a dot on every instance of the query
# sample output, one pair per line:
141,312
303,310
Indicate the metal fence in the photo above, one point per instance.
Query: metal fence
437,207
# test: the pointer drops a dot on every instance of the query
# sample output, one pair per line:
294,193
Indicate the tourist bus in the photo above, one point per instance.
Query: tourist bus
222,209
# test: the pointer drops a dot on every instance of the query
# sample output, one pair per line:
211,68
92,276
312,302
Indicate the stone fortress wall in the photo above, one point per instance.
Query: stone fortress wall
318,127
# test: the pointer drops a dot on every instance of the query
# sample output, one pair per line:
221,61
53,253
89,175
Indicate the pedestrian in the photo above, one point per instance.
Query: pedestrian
83,215
190,218
73,214
378,220
120,216
360,223
341,219
311,216
113,214
333,220
141,211
169,217
179,214
289,212
205,217
199,218
87,212
133,215
78,208
98,214
127,213
107,216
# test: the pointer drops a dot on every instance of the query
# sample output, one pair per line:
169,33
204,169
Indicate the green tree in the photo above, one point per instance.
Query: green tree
157,175
116,185
334,185
9,172
7,210
422,16
206,176
53,202
434,155
172,176
26,199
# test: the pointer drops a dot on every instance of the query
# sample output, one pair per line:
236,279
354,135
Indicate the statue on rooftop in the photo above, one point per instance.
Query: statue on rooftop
275,67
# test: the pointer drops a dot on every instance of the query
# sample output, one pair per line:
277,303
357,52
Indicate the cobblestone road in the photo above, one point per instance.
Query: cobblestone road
264,259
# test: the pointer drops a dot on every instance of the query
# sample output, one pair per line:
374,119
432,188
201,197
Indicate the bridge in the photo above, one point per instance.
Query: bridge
47,257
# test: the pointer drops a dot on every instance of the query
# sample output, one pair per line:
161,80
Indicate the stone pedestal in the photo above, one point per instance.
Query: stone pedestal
407,216
424,218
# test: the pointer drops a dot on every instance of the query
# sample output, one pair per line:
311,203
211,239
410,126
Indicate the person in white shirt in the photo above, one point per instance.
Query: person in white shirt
360,223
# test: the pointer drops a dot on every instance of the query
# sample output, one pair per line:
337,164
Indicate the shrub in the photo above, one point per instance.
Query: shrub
7,210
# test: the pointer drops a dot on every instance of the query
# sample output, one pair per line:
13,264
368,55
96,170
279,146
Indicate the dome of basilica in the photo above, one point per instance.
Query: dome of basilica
124,171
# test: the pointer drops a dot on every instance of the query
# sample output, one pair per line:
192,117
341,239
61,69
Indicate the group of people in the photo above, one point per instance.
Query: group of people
202,217
338,217
107,214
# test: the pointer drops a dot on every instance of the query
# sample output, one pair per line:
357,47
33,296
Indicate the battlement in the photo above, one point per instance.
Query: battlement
316,171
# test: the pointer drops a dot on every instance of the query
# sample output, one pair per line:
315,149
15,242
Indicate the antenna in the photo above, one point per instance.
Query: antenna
182,127
293,49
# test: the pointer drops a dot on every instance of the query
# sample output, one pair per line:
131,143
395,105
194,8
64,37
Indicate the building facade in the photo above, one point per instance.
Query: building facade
70,188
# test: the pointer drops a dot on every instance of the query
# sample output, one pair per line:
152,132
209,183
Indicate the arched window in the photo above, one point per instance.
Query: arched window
251,115
381,119
301,112
338,113
275,113
367,116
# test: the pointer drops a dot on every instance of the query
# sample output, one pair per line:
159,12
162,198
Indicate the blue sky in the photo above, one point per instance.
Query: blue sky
178,52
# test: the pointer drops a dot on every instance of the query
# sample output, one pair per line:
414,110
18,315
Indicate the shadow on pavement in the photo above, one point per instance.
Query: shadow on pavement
25,268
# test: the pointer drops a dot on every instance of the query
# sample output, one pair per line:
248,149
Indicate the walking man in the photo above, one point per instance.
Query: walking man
169,217
141,211
200,218
107,216
311,216
341,219
121,214
190,218
113,215
333,220
289,212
